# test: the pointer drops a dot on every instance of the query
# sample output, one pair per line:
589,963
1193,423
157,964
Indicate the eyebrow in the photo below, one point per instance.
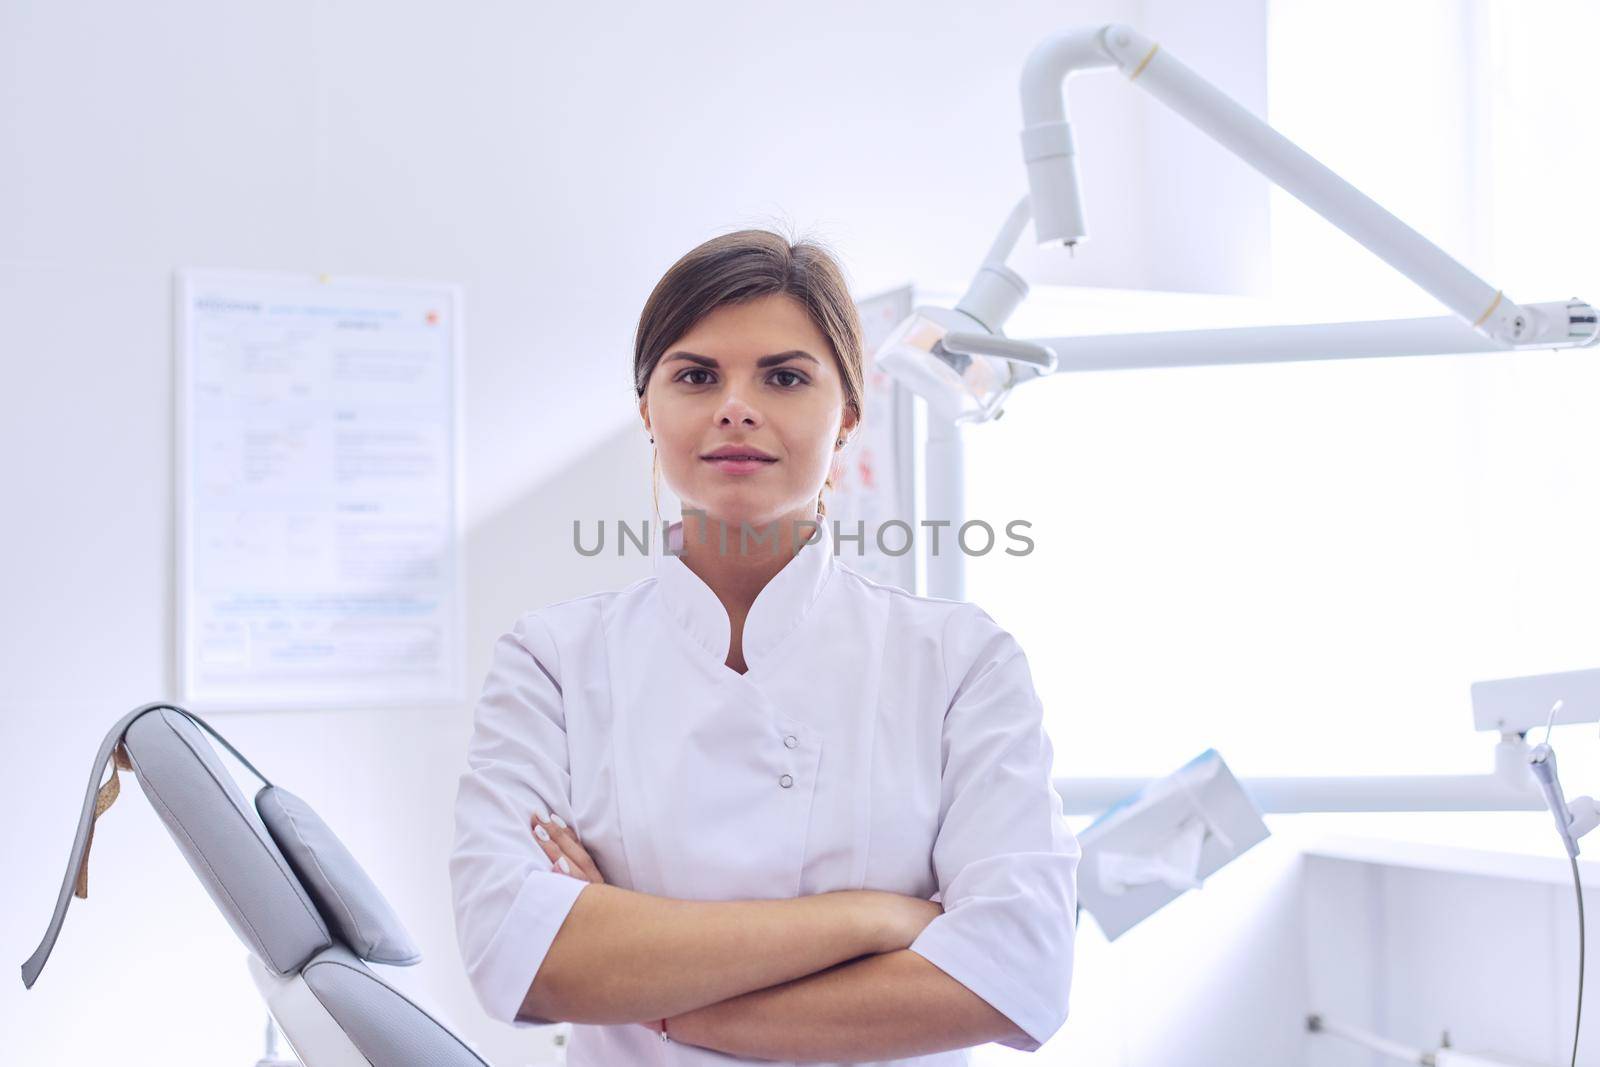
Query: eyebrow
764,361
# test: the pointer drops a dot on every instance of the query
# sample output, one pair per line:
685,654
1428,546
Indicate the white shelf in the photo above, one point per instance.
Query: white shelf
1521,846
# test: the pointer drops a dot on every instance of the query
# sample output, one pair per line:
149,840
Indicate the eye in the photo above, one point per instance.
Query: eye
798,378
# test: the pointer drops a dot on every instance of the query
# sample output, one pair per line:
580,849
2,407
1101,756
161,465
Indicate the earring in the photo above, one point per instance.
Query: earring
652,440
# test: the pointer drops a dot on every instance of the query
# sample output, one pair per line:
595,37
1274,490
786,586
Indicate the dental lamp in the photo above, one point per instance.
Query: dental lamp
962,364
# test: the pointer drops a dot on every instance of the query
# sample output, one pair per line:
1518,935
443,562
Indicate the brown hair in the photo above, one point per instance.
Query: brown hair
745,265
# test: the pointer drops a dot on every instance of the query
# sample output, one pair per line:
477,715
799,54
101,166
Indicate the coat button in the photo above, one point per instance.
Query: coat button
790,741
786,781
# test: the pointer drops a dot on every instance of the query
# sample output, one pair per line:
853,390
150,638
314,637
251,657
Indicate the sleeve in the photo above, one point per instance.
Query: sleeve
1004,858
509,901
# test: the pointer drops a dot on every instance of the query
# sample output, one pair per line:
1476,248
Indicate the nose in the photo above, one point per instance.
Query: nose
734,410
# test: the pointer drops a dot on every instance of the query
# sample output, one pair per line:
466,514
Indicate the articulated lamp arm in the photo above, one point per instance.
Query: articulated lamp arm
960,361
1057,202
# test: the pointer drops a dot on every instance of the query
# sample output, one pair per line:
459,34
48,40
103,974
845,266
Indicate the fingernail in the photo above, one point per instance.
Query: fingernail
558,820
540,833
564,865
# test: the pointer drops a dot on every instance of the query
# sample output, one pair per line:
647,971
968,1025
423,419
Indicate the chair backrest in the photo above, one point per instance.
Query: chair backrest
286,885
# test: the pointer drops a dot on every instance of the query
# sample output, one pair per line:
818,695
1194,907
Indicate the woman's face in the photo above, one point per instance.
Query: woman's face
757,375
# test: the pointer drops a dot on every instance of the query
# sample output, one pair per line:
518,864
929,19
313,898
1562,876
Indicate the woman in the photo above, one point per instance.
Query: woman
705,816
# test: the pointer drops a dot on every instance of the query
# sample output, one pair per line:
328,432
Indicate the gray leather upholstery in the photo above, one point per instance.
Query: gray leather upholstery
224,841
306,910
352,905
386,1026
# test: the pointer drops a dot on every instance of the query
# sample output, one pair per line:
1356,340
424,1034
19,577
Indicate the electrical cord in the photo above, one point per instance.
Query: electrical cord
1577,881
1558,806
1578,1025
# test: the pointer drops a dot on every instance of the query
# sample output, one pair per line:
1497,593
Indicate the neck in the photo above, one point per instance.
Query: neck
738,561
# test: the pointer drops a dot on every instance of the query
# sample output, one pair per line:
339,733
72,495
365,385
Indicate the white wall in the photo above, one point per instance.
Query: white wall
555,160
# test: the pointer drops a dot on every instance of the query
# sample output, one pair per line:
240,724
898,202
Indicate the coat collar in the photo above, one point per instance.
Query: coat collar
778,609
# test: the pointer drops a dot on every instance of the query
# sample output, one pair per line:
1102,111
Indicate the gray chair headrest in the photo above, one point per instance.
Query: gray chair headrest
231,849
345,896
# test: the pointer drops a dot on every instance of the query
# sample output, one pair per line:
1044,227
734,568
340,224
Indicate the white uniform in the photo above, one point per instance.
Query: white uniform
879,740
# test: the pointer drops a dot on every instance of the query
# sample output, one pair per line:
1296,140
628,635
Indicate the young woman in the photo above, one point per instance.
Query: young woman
755,806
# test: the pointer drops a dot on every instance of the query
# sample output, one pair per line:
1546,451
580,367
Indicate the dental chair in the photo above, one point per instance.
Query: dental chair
295,896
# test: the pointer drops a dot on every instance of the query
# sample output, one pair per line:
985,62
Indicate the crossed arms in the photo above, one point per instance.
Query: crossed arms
824,977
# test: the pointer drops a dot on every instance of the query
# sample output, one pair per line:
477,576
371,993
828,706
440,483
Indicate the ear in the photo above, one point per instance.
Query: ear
848,424
644,413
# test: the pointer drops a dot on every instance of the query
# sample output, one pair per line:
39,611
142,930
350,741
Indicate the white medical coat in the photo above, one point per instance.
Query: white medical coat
879,740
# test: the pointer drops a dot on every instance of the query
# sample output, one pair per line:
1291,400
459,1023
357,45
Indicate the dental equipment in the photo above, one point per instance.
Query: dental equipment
1572,820
961,363
1509,704
964,367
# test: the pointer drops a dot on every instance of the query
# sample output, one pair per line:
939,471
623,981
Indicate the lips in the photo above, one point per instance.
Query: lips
738,463
730,452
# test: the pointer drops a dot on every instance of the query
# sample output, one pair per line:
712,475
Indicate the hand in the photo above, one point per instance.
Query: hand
566,853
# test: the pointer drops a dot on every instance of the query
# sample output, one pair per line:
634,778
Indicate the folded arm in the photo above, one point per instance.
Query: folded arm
624,957
886,1006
